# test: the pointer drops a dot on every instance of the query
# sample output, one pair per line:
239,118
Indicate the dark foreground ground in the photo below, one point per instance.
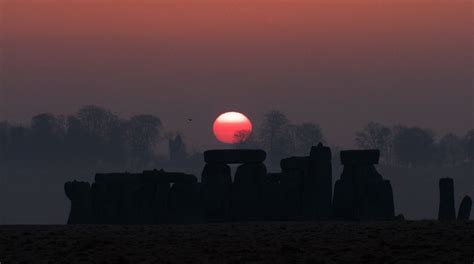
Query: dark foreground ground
391,242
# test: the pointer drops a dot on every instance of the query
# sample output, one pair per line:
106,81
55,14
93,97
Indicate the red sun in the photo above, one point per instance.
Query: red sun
232,127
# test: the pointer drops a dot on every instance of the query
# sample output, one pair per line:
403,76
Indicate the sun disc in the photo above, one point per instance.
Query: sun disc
232,127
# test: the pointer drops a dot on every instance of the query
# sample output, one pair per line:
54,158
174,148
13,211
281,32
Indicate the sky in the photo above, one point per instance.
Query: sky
340,63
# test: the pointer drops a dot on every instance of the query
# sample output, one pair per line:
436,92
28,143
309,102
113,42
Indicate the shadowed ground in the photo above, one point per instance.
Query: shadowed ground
389,242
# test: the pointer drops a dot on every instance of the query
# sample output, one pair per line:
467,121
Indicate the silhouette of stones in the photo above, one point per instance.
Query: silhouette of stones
247,192
293,172
361,193
317,187
307,185
145,198
302,191
216,184
100,208
241,200
184,199
359,157
234,156
465,208
446,200
271,197
79,194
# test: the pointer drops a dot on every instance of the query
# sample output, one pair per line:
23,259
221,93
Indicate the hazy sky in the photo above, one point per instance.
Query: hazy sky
336,63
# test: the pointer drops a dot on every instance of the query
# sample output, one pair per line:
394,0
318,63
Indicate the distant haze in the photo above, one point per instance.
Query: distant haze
336,63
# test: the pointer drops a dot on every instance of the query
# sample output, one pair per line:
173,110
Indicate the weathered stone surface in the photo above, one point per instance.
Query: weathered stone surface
446,200
231,156
216,184
465,208
79,194
370,156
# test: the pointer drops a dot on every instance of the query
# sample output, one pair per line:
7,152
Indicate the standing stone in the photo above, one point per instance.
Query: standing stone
215,191
160,203
343,202
100,207
183,201
160,181
79,194
271,196
294,170
465,208
361,194
384,202
446,200
317,186
246,203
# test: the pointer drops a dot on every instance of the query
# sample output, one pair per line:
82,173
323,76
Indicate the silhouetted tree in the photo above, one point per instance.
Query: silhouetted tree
451,149
75,140
3,140
241,136
176,147
305,136
47,136
413,146
143,134
469,144
245,139
376,136
275,135
103,133
17,142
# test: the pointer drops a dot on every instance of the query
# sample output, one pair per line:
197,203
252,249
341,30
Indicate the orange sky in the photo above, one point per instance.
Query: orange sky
337,63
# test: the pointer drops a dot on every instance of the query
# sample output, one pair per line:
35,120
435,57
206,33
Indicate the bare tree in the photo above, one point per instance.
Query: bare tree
306,135
376,136
143,134
413,146
275,135
451,149
469,144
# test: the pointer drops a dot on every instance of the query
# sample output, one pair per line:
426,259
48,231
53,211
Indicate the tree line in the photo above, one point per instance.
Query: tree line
94,134
415,146
399,145
97,135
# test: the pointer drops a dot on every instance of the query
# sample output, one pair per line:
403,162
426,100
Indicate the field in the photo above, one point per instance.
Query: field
279,242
